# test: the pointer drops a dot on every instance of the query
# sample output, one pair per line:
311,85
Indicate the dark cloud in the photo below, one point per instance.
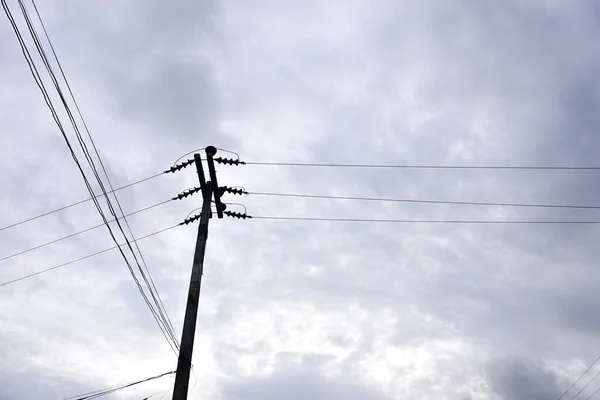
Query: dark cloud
516,379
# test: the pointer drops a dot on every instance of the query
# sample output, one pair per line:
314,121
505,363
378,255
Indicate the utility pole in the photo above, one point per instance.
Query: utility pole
210,188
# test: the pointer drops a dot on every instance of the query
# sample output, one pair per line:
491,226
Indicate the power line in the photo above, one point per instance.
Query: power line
580,377
162,394
585,386
83,258
77,203
426,166
593,394
80,232
151,286
383,199
103,392
422,221
378,199
162,322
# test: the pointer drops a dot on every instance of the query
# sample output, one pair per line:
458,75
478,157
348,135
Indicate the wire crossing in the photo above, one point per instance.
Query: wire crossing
80,232
357,198
310,219
76,203
103,392
157,309
85,257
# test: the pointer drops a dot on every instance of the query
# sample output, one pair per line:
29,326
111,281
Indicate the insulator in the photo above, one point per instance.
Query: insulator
186,193
236,215
190,219
227,189
228,161
179,167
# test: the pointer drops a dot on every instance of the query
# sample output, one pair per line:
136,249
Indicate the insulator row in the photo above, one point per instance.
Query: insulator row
228,161
179,167
236,215
190,219
186,193
227,189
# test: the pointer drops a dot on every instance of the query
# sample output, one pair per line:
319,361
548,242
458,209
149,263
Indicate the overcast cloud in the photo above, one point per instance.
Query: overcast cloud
312,310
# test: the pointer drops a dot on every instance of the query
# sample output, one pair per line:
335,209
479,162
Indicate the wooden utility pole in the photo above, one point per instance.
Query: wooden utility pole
210,188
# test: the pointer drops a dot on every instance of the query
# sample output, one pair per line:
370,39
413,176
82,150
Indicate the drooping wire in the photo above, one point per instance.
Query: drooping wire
99,393
48,101
151,285
187,154
237,204
202,149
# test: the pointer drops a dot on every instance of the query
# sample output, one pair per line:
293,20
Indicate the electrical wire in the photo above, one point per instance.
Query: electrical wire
163,324
146,276
153,291
580,377
80,232
593,394
315,196
161,397
76,203
585,386
422,221
103,392
425,166
83,258
383,199
163,393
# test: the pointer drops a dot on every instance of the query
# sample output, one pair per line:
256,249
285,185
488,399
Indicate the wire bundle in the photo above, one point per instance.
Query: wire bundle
153,301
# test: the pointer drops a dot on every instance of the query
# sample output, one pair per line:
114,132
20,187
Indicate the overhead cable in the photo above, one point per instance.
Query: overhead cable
428,166
103,392
426,221
158,313
79,232
452,202
77,203
83,258
579,378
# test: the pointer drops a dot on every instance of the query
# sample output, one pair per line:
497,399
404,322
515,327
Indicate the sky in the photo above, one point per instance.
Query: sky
298,309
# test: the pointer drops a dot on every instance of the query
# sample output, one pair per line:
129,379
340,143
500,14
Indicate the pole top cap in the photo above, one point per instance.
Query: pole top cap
211,150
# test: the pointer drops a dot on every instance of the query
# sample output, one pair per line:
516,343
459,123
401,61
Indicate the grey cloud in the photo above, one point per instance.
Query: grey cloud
176,95
152,67
517,379
491,83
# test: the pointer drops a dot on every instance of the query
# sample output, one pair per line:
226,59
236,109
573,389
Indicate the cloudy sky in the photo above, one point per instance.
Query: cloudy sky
311,310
